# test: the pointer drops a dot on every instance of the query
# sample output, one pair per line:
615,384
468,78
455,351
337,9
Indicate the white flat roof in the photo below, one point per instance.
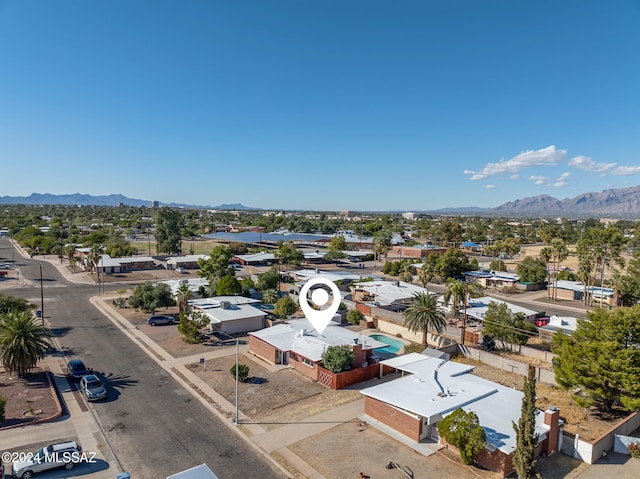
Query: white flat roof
307,274
193,283
234,313
190,258
311,345
477,307
256,257
495,405
389,292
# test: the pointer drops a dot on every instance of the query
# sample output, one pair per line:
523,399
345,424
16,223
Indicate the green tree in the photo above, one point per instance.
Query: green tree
457,294
12,303
600,361
269,296
169,223
422,314
269,279
524,459
149,297
23,342
285,307
497,265
463,430
183,295
337,245
191,326
337,358
216,266
228,286
507,327
532,270
289,254
3,405
451,264
247,285
354,316
426,274
243,372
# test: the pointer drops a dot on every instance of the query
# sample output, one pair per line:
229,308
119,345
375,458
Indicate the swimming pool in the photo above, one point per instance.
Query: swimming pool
394,345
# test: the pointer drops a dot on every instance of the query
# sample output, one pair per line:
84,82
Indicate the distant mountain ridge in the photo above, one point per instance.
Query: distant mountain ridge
102,200
621,202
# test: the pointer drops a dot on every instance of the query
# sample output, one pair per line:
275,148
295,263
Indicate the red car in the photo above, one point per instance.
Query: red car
543,321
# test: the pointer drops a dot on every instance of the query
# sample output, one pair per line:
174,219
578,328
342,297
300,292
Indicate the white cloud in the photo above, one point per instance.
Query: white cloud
560,184
626,170
526,159
539,180
514,177
587,164
564,176
489,187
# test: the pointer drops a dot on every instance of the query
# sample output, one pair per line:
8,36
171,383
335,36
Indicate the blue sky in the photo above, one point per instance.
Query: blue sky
324,105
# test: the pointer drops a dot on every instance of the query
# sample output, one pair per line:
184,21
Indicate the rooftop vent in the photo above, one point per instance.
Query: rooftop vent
225,304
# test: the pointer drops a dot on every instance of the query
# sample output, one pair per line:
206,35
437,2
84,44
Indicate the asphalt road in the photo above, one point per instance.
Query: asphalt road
153,425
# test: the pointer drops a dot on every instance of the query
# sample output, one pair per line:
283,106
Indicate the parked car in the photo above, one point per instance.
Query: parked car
76,369
92,388
543,321
160,319
47,458
181,270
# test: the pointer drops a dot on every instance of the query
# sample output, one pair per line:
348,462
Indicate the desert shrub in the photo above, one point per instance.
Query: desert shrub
243,372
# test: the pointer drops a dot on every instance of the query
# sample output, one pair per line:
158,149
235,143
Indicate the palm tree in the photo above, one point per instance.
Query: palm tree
560,253
458,293
423,314
546,254
183,294
23,342
425,274
269,296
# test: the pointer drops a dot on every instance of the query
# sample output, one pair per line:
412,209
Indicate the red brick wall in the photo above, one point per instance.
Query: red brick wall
392,417
364,309
311,372
262,349
496,461
353,376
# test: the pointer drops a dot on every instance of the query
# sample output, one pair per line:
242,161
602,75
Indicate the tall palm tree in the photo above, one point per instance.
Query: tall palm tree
423,314
458,292
183,294
425,274
23,341
546,254
560,253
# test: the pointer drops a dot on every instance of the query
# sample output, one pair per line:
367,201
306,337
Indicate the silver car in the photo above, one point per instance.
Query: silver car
93,388
63,454
160,319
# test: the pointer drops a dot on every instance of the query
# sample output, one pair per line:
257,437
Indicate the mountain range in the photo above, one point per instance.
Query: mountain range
621,202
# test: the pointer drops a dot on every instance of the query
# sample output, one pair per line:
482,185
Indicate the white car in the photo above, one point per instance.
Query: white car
92,388
47,458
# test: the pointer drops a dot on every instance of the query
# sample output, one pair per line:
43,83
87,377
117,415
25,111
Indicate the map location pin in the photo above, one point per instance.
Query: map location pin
320,319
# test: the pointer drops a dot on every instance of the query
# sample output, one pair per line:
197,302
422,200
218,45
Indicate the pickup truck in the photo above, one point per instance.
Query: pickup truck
3,274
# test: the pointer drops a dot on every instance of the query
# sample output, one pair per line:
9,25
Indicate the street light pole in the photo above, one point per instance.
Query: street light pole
41,295
237,378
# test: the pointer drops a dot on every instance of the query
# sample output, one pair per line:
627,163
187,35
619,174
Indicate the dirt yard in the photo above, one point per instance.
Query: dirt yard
271,398
28,400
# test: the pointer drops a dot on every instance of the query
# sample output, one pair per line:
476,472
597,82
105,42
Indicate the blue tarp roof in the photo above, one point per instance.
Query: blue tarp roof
470,244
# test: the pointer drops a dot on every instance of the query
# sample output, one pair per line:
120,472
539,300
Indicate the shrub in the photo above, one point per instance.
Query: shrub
3,405
337,358
634,449
243,372
354,316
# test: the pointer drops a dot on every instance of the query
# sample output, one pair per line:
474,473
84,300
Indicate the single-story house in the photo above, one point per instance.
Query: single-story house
304,275
493,279
471,247
109,265
566,324
230,314
477,308
194,285
187,262
296,343
415,252
574,291
414,404
386,293
255,258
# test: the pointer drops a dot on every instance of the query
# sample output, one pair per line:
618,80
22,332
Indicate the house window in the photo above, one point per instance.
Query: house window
308,362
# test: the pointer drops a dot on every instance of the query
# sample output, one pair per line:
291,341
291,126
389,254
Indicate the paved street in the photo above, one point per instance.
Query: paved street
153,425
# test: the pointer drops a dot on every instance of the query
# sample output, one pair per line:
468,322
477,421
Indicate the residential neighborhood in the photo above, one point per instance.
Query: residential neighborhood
229,328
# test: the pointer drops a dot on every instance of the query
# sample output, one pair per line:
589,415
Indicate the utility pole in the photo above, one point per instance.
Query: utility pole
41,295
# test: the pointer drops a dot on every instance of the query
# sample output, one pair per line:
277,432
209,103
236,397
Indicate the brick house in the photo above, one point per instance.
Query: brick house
414,404
297,344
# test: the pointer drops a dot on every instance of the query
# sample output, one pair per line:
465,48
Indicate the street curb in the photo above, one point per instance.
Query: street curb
125,326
